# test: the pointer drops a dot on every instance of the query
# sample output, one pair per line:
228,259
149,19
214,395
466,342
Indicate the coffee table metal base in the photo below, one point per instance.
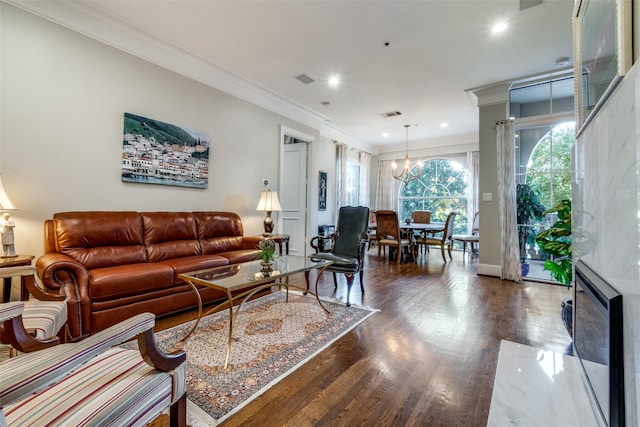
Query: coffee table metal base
231,299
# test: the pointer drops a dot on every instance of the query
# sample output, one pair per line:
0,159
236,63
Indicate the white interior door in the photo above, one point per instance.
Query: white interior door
293,190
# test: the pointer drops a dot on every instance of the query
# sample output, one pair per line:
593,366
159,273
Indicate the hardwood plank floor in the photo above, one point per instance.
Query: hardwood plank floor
428,358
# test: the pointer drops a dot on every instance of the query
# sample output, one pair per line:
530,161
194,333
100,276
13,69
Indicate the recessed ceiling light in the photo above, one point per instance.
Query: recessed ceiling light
385,134
499,27
334,81
443,125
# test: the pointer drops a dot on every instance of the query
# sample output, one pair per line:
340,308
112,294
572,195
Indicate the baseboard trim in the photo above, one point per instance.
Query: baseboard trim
489,270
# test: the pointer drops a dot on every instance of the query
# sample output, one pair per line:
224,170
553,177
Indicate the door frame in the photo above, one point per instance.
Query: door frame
309,139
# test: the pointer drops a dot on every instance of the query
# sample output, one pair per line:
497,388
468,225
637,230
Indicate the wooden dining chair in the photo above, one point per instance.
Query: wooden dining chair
388,234
444,241
421,217
371,230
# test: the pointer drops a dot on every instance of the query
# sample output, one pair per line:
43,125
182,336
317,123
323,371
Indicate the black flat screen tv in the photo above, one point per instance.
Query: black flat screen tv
598,342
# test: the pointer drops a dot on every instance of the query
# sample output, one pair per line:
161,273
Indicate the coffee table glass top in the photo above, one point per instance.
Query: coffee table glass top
237,276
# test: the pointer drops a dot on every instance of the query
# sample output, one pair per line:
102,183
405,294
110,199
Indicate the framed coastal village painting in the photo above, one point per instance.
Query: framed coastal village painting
155,152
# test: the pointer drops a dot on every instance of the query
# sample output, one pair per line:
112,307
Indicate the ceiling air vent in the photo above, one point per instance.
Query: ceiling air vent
526,4
305,79
391,114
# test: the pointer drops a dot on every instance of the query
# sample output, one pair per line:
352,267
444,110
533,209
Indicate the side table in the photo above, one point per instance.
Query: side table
6,263
280,240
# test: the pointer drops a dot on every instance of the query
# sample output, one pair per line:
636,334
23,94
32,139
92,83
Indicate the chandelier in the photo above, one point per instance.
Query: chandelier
405,175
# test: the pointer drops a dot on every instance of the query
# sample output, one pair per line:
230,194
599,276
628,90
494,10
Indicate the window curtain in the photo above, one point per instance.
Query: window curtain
473,169
365,171
341,172
387,187
510,253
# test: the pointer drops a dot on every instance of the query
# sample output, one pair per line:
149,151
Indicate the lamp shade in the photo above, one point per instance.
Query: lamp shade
5,203
269,202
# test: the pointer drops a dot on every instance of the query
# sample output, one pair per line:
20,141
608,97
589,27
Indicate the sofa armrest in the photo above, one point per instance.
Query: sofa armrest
29,373
61,273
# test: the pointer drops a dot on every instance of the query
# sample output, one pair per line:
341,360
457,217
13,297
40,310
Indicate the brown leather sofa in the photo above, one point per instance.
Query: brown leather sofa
114,265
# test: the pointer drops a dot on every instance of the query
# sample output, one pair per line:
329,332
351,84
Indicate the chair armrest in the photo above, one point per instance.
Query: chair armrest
157,358
13,331
30,372
315,241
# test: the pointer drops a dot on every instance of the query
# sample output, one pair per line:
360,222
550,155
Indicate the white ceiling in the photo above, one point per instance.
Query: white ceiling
437,51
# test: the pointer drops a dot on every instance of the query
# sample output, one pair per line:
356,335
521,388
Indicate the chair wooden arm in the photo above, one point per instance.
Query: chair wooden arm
315,241
155,357
14,334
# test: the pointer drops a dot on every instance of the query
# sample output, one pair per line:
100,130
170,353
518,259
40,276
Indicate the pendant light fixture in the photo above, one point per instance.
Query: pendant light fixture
405,175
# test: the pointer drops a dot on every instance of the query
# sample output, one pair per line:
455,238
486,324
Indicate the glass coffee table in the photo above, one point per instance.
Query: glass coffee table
236,277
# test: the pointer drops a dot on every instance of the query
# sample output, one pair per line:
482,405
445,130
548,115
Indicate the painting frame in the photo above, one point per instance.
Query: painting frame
322,191
602,53
157,152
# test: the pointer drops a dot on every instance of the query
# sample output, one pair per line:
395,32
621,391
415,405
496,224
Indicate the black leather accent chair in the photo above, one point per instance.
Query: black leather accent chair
348,246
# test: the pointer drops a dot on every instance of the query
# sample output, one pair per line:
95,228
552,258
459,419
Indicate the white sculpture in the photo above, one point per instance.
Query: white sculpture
6,228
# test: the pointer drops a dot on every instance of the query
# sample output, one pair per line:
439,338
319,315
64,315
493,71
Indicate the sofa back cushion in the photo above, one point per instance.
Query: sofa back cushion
99,239
219,231
170,235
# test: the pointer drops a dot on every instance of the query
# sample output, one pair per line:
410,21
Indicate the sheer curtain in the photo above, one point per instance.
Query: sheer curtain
473,169
341,171
510,263
365,171
387,187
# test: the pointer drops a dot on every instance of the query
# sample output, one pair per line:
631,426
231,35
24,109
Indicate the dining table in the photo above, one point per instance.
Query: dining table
425,228
432,227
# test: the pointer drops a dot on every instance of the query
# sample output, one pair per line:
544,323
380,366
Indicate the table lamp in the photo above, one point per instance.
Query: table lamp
268,203
6,224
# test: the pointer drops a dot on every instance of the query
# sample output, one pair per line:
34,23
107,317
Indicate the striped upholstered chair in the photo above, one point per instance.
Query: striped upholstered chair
44,315
94,382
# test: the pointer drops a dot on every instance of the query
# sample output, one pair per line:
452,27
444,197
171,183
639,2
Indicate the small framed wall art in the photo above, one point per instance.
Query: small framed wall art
322,191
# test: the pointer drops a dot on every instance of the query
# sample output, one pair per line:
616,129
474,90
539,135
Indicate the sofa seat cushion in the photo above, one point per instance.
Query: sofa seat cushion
128,280
241,255
194,263
116,387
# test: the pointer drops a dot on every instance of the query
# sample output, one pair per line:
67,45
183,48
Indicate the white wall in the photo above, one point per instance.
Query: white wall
63,97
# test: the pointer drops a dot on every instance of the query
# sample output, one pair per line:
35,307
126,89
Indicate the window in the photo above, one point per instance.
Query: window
353,183
549,168
441,188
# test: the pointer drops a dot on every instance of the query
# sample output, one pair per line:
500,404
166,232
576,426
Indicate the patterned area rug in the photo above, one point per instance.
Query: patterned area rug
271,339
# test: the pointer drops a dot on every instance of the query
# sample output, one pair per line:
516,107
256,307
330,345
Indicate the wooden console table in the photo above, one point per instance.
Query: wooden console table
6,263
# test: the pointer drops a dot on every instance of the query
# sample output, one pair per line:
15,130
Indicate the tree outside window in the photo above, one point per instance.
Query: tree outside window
549,169
441,188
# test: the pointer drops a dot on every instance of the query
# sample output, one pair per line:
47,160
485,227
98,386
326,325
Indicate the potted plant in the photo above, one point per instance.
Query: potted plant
529,208
557,242
267,249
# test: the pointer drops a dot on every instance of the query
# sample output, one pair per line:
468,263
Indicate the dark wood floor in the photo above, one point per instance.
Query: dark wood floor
428,358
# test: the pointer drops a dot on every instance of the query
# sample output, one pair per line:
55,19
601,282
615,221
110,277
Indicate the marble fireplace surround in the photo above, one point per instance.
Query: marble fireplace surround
534,387
606,219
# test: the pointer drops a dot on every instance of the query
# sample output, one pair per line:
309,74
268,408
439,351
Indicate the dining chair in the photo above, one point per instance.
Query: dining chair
421,217
472,238
348,245
371,230
444,241
388,234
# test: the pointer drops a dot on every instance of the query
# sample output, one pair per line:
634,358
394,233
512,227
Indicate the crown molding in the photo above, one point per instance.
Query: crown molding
89,20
